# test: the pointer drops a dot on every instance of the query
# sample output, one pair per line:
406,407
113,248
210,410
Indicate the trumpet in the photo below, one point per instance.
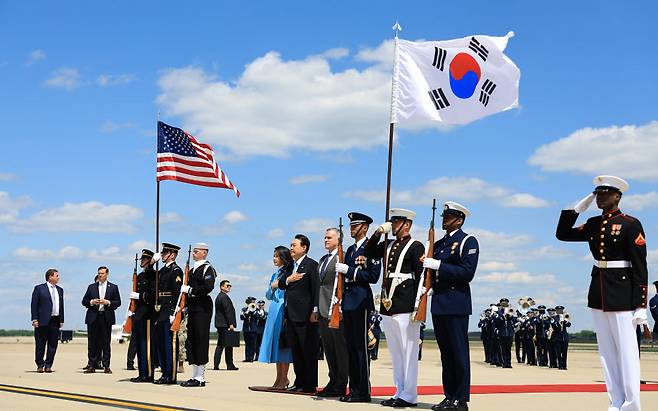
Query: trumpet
251,306
565,317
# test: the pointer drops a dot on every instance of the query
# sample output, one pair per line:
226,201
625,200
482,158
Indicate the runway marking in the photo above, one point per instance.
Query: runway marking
90,399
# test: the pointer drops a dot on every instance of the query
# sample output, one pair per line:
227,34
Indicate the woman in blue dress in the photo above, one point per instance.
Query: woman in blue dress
274,348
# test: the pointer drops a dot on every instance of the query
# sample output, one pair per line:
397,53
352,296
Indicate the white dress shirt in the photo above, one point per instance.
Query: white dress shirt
54,297
102,287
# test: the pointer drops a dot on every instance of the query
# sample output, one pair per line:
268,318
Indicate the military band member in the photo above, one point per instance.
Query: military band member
505,325
143,318
200,283
552,353
454,261
249,317
529,337
561,336
618,289
374,325
262,320
169,284
541,333
399,287
359,272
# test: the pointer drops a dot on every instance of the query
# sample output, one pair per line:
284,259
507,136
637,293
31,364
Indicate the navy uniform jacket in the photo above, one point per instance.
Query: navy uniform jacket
560,332
612,237
356,290
404,297
171,278
146,290
653,307
505,324
459,259
201,281
111,294
249,320
42,304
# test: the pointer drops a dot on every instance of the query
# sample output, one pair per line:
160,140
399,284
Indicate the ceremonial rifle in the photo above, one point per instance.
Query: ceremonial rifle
337,295
182,297
420,309
128,324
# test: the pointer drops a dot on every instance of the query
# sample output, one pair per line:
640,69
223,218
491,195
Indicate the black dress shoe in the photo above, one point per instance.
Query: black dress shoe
442,405
232,368
193,383
330,394
141,379
400,403
39,370
457,406
356,398
295,388
164,381
389,402
130,367
107,370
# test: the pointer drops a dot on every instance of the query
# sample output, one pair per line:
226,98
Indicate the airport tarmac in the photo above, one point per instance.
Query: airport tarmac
229,389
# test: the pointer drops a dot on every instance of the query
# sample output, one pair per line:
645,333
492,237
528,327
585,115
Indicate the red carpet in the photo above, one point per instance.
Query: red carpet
486,389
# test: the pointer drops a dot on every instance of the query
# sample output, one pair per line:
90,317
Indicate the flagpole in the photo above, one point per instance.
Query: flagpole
157,219
391,132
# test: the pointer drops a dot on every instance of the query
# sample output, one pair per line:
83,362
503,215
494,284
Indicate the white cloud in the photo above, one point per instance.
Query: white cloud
549,251
517,277
628,151
65,253
66,78
35,56
10,207
170,217
112,253
248,267
7,176
638,202
105,80
140,245
275,233
496,266
91,216
279,105
110,126
312,225
382,54
307,179
233,217
336,53
464,189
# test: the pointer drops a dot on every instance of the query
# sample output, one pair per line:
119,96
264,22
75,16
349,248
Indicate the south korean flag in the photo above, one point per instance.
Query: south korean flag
454,81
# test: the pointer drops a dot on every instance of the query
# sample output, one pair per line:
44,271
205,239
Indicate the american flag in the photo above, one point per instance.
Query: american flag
182,157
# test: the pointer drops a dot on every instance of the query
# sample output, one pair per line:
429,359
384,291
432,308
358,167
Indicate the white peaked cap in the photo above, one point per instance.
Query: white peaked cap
451,205
402,213
611,181
200,246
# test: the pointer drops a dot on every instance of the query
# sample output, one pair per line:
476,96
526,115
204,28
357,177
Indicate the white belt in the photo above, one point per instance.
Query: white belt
402,276
612,264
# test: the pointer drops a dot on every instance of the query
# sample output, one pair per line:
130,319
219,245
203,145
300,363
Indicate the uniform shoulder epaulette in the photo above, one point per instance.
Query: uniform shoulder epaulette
629,217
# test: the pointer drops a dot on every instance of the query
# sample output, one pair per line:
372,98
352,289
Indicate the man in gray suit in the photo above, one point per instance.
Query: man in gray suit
333,340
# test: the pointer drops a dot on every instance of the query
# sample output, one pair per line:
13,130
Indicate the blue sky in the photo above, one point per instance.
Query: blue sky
295,97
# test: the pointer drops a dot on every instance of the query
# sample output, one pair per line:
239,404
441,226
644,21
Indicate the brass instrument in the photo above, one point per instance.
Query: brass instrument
372,341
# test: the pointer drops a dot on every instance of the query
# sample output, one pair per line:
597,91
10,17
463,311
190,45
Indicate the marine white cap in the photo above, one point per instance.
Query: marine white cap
200,246
402,213
607,183
455,208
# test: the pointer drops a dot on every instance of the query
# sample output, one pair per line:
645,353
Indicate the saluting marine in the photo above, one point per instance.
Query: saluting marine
399,288
618,289
143,319
170,279
200,283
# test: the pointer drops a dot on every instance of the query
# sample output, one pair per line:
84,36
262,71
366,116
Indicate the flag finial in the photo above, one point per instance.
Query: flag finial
397,28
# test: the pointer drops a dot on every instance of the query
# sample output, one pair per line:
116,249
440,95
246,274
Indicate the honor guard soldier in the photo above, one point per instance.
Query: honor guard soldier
455,260
618,289
200,283
143,317
399,287
170,279
653,307
358,273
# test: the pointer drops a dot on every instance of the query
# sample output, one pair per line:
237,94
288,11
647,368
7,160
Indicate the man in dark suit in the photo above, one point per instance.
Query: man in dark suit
225,321
301,314
455,260
101,299
47,318
333,339
359,273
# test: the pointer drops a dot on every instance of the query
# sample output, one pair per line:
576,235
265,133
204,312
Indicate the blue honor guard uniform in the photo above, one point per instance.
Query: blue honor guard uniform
455,261
143,320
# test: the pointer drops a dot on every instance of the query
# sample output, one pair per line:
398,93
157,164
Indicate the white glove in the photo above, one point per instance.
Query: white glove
156,257
171,319
639,316
342,268
584,204
431,263
134,295
185,289
386,227
130,313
